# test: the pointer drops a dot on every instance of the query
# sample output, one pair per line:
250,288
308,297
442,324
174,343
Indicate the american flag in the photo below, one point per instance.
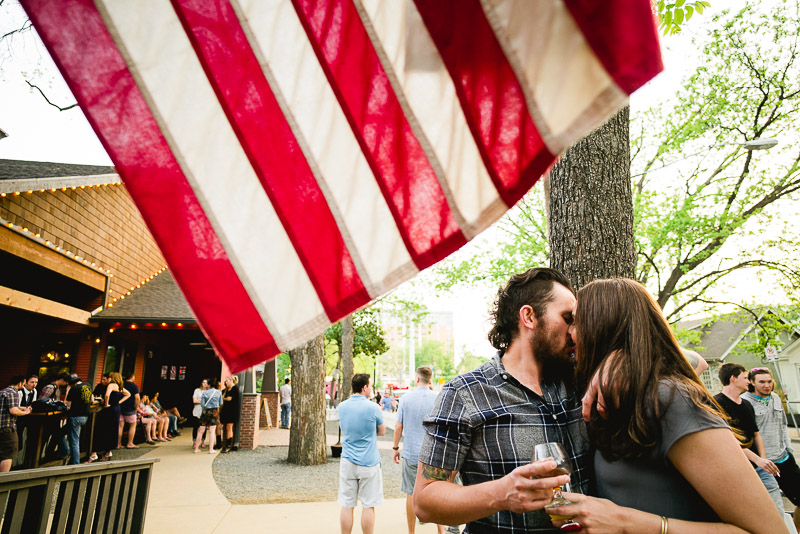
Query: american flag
296,159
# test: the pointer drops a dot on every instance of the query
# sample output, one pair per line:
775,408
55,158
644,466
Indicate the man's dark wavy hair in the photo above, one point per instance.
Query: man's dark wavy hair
533,288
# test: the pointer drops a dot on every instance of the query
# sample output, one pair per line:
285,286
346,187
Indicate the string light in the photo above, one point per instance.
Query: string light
52,246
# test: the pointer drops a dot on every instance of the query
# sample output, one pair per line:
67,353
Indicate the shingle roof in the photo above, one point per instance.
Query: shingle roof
160,299
11,169
718,336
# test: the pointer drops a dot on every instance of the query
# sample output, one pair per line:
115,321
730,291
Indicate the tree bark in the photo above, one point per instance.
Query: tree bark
591,206
307,444
348,336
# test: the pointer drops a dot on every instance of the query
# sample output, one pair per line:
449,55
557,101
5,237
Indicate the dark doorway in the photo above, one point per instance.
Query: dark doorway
175,366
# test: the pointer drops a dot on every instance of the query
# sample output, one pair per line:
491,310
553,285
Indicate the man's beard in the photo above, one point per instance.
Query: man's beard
555,359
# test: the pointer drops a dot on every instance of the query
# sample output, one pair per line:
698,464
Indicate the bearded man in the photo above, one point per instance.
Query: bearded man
486,422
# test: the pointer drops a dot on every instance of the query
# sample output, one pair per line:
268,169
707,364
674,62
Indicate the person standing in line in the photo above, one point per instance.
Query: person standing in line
414,406
106,425
360,473
79,398
197,410
128,410
50,391
286,403
26,397
743,418
9,411
229,414
773,426
210,402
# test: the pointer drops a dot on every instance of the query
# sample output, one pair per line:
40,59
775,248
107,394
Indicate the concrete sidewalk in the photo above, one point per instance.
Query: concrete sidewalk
185,498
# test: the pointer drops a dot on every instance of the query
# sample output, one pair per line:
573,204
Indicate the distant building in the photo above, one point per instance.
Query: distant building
435,326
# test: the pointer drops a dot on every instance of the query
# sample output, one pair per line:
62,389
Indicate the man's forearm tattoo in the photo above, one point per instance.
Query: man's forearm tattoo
435,473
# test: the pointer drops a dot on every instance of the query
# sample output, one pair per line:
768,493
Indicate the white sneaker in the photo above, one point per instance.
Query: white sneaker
212,451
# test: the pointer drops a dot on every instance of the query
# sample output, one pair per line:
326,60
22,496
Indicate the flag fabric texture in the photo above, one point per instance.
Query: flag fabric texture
296,159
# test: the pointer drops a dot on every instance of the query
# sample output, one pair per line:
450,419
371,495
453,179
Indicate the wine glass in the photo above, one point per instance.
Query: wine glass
554,450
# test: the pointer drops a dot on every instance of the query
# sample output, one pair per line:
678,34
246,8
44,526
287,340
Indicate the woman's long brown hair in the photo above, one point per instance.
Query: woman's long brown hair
622,332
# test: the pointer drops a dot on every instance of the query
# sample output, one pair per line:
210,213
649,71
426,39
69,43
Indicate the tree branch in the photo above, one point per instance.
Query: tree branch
59,108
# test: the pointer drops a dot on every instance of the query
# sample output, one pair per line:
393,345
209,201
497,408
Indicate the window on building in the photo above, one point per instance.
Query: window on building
708,380
56,354
120,356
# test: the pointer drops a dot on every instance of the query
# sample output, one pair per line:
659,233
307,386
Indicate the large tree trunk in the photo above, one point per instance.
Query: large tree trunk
307,444
348,336
591,207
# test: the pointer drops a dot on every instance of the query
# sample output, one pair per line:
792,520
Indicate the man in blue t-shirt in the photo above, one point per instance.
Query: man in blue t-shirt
128,411
360,473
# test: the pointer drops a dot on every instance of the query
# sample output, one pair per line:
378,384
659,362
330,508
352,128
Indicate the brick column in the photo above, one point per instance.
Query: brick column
273,402
248,428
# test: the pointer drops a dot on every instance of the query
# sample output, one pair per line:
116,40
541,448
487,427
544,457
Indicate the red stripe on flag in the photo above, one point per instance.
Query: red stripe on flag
491,97
273,151
623,36
398,161
87,56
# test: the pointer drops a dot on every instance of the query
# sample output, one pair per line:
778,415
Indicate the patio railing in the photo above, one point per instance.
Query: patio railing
98,498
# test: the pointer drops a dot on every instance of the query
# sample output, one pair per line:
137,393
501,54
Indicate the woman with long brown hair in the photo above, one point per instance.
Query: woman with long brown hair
665,457
106,427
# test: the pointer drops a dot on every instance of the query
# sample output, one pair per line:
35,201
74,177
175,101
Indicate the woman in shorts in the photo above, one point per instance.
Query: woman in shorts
210,402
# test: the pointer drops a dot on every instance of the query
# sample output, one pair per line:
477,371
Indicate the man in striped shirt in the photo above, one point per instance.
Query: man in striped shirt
486,422
9,411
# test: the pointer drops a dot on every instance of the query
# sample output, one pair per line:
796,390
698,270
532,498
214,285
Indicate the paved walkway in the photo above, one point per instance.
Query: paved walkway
185,498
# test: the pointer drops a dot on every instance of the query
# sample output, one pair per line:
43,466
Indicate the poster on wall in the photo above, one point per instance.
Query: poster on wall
173,372
163,372
182,372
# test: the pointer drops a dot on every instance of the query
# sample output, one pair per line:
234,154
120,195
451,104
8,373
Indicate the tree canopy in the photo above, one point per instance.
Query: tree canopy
704,206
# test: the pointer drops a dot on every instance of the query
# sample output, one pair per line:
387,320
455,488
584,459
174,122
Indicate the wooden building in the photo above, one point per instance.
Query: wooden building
84,288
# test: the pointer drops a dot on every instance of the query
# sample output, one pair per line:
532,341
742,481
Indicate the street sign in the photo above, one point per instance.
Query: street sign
771,353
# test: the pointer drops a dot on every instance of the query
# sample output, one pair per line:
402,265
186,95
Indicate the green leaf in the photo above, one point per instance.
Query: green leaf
678,17
661,6
680,3
699,7
689,12
667,20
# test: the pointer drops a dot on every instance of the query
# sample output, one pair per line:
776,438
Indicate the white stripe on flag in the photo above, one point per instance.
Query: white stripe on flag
215,164
429,92
341,168
566,87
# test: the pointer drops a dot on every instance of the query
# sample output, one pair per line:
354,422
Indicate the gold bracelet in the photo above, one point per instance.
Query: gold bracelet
664,525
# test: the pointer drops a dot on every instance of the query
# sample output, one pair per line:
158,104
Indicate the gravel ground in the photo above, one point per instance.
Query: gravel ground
262,476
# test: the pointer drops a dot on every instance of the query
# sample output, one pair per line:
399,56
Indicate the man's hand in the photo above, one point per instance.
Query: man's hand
768,466
396,456
520,491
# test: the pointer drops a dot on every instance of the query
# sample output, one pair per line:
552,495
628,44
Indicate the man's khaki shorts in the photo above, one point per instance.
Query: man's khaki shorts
356,480
409,476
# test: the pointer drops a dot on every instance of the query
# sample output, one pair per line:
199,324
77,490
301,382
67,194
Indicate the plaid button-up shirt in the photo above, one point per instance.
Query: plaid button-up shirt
485,424
9,398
